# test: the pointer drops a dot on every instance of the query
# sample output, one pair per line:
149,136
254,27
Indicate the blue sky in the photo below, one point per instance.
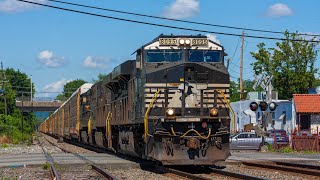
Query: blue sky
56,46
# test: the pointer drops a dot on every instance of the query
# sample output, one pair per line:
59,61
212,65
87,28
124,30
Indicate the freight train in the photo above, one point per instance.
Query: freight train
169,105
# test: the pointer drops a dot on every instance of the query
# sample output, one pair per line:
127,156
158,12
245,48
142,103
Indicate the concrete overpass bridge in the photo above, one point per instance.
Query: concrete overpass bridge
26,105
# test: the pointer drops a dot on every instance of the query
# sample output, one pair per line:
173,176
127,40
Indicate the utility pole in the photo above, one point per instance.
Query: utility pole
4,91
22,119
31,88
228,62
241,66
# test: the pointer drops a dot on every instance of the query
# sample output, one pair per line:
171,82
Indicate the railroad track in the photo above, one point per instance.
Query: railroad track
50,160
168,171
94,166
234,175
287,167
182,175
205,173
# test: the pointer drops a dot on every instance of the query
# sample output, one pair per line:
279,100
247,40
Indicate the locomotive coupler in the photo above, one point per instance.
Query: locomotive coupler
193,143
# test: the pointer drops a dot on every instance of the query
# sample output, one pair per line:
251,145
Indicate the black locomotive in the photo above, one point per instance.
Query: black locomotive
169,105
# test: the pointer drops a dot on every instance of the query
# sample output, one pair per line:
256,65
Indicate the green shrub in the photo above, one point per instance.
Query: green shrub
270,148
4,145
46,165
287,149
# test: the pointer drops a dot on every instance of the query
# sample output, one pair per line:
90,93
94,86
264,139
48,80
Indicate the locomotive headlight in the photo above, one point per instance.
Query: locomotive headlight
214,112
170,112
181,41
188,41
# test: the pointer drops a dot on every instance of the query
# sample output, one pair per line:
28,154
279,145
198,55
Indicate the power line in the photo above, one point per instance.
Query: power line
235,51
178,20
162,25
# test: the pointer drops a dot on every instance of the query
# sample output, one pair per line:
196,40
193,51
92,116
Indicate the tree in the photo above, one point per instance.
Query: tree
69,88
247,87
101,76
20,82
291,63
17,82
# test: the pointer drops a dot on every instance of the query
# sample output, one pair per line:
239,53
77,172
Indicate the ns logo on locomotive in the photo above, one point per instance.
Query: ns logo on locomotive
169,105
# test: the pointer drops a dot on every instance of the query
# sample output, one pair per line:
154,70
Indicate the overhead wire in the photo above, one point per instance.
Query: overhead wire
178,20
162,25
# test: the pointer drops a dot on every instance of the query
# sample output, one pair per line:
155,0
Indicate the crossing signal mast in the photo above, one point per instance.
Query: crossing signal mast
265,104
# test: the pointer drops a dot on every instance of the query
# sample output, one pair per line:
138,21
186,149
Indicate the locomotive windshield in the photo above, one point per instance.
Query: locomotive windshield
204,56
164,55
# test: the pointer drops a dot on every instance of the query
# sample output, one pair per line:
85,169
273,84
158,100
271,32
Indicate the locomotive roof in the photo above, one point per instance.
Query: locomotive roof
179,36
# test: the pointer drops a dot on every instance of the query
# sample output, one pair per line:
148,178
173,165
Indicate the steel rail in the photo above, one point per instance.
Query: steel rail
307,166
284,168
91,163
50,160
235,175
185,174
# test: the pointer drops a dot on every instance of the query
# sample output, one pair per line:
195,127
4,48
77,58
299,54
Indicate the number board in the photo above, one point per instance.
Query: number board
168,41
200,42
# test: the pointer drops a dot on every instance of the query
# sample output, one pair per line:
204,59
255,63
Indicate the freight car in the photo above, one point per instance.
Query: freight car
170,105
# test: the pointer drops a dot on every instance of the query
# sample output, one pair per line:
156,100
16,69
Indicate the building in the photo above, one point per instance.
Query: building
306,112
306,120
281,118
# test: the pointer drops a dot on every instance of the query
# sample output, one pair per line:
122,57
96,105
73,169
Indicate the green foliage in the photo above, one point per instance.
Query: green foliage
69,88
286,149
310,152
100,77
291,63
11,125
270,148
234,94
247,87
19,82
46,166
4,145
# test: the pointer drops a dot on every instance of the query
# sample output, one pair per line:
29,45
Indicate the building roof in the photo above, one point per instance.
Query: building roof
307,103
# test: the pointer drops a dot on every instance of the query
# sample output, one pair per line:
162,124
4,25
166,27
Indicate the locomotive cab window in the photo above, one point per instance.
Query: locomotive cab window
164,55
204,56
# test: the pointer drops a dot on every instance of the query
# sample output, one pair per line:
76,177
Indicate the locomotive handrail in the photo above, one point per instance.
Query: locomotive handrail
146,116
230,108
89,123
202,137
108,129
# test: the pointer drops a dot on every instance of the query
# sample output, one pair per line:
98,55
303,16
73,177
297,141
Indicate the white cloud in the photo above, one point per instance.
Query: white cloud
279,10
56,86
17,6
95,62
213,38
49,59
180,9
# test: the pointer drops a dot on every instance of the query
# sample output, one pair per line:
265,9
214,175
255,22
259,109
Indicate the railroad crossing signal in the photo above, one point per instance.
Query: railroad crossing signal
263,106
263,82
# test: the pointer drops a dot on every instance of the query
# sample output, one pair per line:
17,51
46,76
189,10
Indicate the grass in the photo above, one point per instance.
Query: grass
270,148
310,152
287,149
46,166
4,145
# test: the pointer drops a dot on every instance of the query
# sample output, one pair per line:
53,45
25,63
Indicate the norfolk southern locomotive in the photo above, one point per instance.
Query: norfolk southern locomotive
169,105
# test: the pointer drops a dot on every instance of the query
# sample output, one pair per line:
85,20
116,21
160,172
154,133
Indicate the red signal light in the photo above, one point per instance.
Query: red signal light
253,106
263,105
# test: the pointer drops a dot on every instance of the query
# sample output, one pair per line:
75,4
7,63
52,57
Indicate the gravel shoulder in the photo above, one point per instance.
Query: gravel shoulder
24,173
